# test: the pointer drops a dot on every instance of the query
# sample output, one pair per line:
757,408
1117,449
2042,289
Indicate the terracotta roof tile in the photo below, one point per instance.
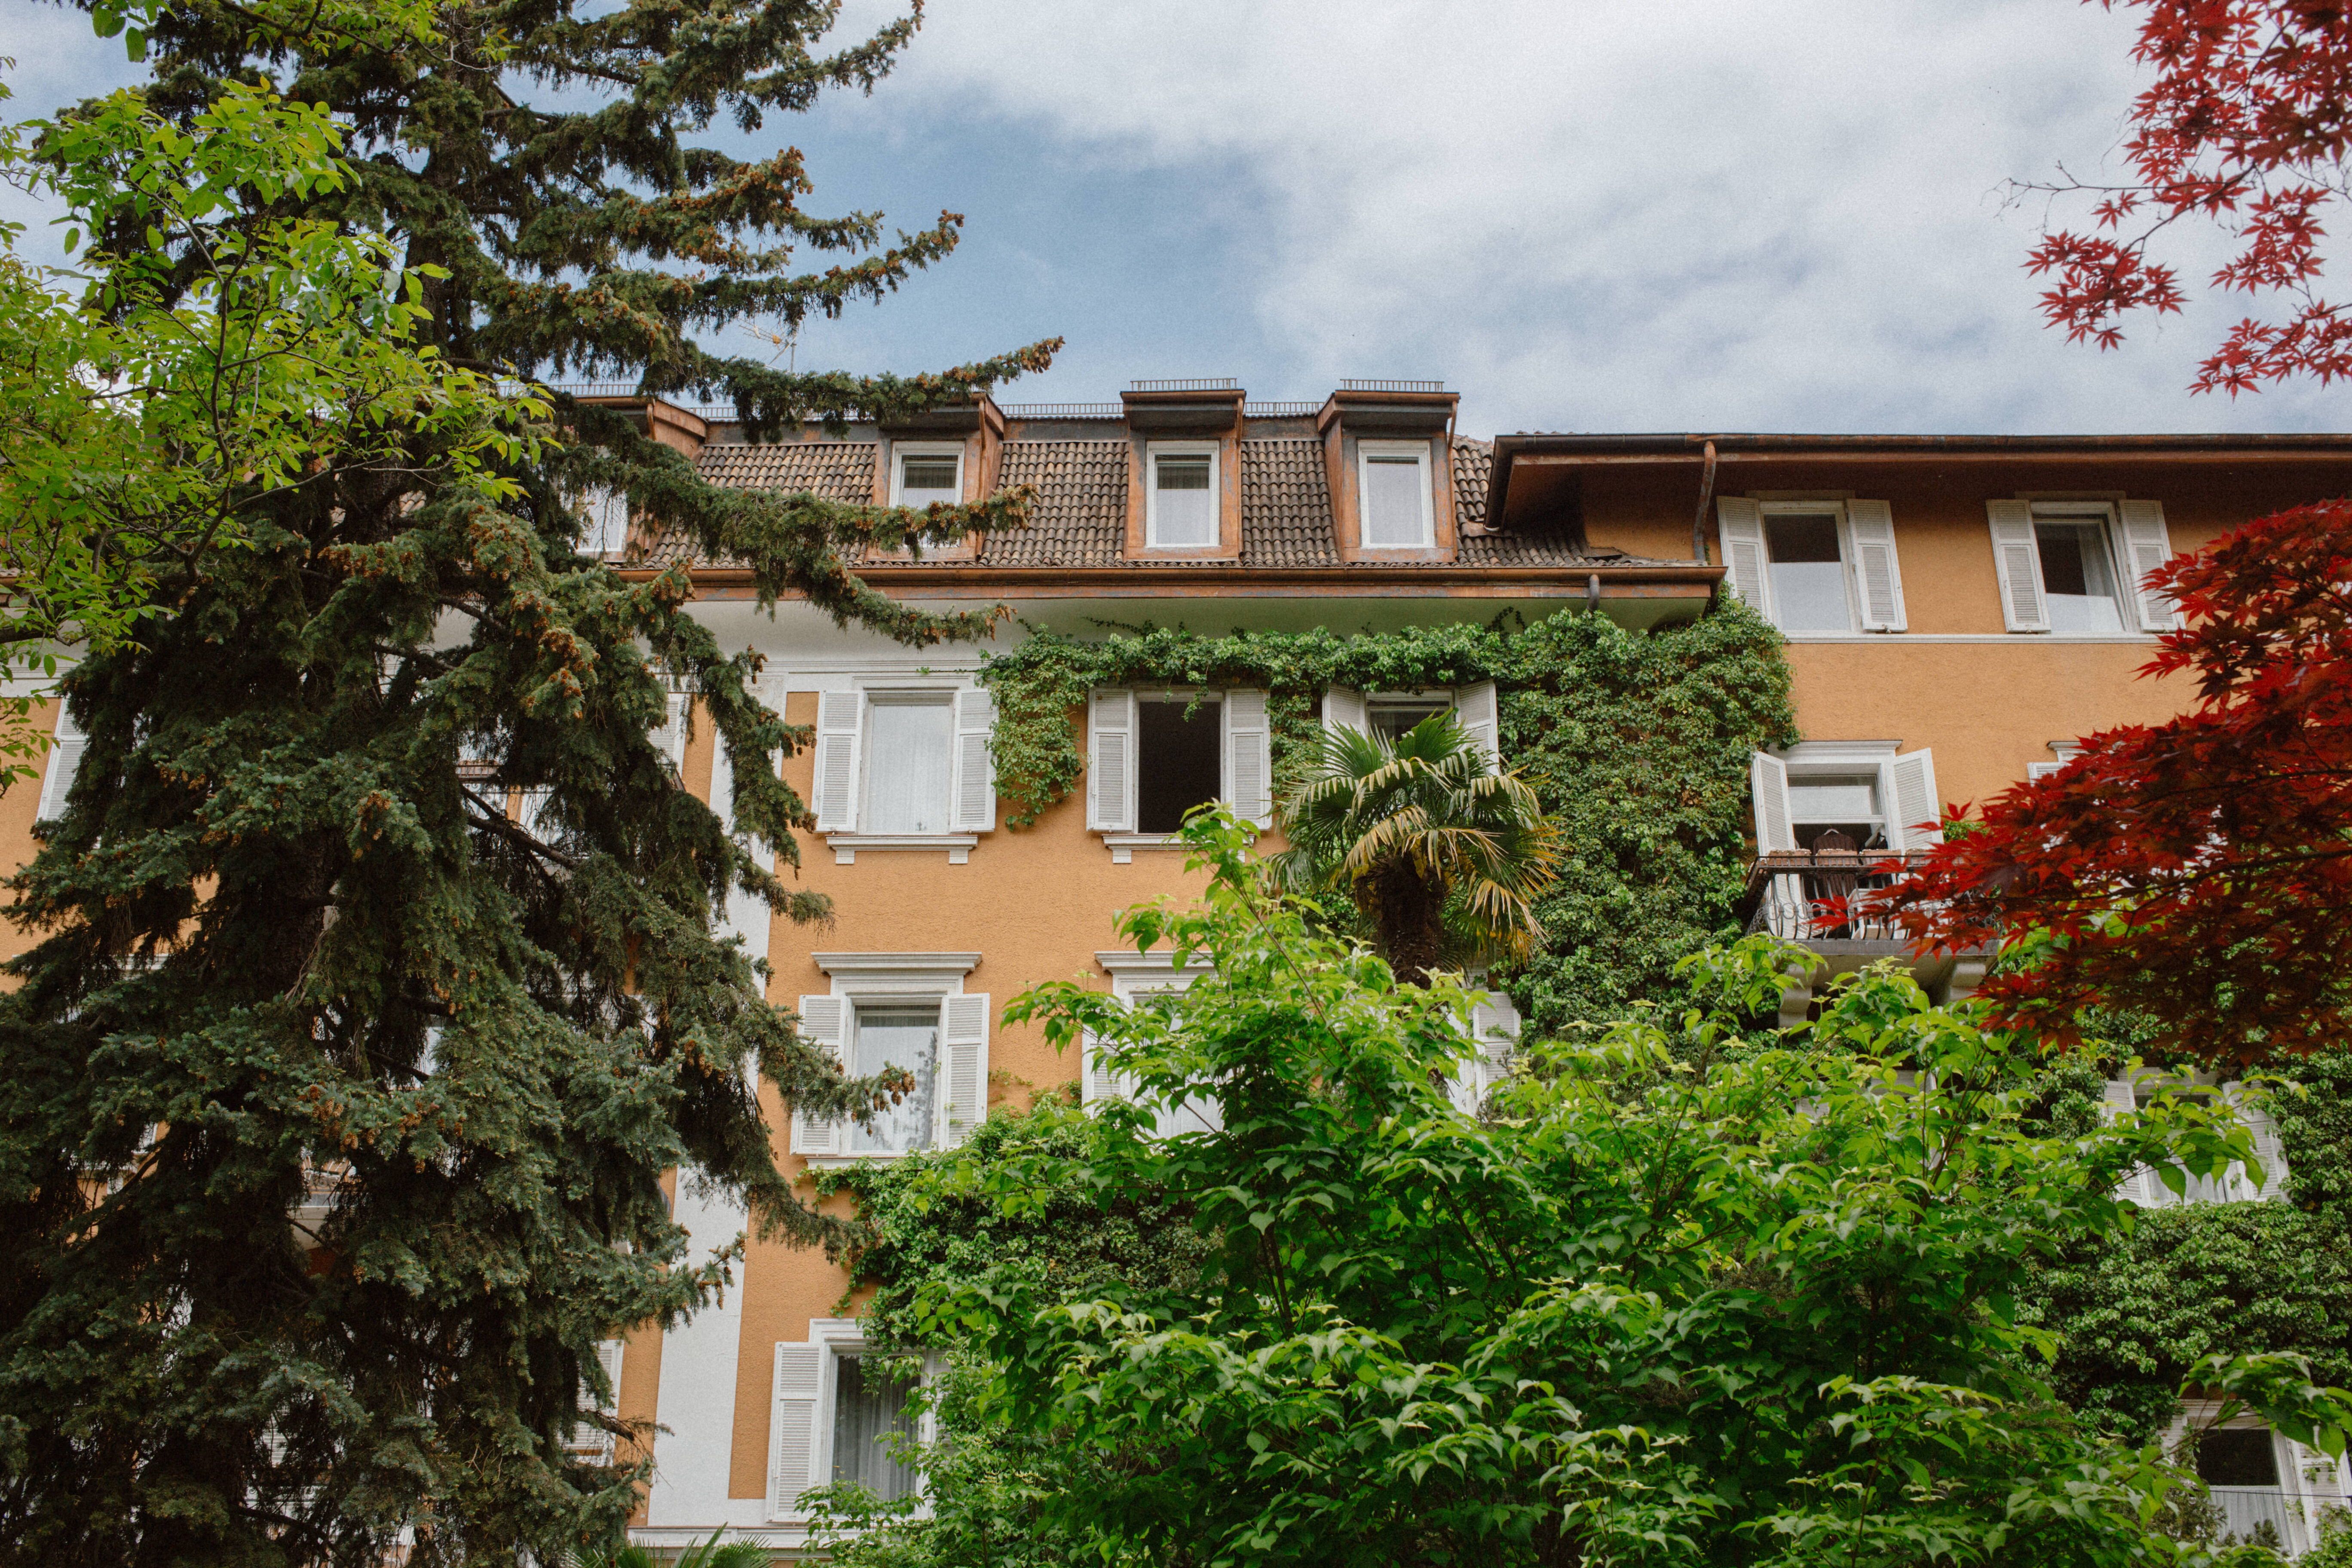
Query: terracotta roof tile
1285,505
1080,519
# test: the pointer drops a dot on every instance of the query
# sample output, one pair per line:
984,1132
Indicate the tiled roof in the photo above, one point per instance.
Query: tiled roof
1080,519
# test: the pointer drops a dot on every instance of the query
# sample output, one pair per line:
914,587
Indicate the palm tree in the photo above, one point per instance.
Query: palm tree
1444,855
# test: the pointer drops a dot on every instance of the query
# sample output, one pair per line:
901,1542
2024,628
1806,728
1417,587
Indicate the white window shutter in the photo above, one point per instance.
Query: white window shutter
1742,523
838,714
1870,525
825,1025
975,774
1345,710
1769,777
963,1030
1480,716
2268,1148
1110,762
65,761
671,736
1907,791
1249,757
1100,1083
2118,1102
791,1431
2017,561
2147,546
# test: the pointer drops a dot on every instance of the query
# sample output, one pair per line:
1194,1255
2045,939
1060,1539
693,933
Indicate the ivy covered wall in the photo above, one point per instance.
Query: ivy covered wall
1638,742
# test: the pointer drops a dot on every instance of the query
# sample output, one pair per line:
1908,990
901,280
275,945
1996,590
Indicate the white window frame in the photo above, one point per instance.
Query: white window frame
1366,450
905,981
1476,707
2309,1481
841,755
1896,769
901,450
2103,514
1495,1026
1114,728
1134,974
831,1339
1862,525
1155,450
2234,1185
2064,750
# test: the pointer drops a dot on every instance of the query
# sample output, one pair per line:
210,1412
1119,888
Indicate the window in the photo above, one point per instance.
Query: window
1876,797
1392,477
910,740
1837,803
922,476
606,531
2080,566
1389,714
840,1414
2237,1184
1180,510
1153,756
1179,742
1146,979
1807,572
898,1037
1813,565
871,1426
904,768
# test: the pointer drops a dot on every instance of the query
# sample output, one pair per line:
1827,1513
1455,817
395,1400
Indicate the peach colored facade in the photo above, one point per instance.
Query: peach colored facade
1579,524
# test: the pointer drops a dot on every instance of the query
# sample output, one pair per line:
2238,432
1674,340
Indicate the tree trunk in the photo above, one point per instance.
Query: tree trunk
1405,909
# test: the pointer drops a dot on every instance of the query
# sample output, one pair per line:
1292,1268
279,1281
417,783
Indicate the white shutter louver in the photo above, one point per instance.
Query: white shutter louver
825,1025
1480,716
791,1432
2148,545
838,714
1110,762
2017,562
1871,524
1249,757
2119,1102
963,1030
1740,521
65,761
2268,1149
1768,777
1908,790
975,775
1345,710
1100,1083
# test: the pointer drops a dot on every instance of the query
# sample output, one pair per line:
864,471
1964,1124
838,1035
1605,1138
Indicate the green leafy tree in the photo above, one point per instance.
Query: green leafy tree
1444,854
379,978
1679,1304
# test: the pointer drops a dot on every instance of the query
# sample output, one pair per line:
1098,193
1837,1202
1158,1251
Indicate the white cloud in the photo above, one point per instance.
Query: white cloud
1623,215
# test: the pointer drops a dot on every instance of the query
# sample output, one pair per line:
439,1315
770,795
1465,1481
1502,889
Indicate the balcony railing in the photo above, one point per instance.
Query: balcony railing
1787,892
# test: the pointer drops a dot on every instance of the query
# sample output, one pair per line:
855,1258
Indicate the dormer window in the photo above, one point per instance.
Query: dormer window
921,476
1393,480
1181,501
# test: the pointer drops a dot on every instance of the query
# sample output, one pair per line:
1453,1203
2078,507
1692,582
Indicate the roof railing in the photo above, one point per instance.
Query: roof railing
1391,386
1061,410
1279,410
1197,384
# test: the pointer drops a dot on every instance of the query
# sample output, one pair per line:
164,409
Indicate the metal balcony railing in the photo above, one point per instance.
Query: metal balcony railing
1280,410
1391,386
1193,384
1787,890
1061,410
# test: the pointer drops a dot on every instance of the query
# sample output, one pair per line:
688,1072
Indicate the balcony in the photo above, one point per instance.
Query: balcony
1787,888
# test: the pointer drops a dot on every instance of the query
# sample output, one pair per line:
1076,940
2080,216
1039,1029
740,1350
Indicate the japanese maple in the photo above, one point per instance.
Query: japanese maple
2246,126
2200,869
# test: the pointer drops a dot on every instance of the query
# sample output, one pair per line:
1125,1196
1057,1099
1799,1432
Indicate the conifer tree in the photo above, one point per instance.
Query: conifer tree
380,977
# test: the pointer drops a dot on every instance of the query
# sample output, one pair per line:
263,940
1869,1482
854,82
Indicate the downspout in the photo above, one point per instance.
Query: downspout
1698,518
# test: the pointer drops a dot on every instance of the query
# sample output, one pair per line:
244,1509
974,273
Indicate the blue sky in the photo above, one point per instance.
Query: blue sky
1582,214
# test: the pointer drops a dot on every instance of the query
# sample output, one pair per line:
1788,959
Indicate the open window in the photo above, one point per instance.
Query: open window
1814,565
895,1010
1180,495
905,768
2080,566
1154,756
1136,977
1389,714
1844,795
1393,488
842,1412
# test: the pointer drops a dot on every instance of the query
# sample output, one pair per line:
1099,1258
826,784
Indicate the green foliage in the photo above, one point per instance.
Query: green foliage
1636,743
1672,1307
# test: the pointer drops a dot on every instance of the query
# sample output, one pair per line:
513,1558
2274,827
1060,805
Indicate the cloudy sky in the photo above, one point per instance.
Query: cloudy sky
1585,214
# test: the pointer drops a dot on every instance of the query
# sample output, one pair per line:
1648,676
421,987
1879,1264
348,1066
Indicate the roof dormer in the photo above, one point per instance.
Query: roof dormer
952,453
1184,470
1387,454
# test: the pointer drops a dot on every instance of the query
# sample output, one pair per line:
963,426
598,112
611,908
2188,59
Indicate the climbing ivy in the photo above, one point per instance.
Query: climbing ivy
1637,742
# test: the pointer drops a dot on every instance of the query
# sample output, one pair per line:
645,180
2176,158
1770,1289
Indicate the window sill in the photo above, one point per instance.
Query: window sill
2070,637
1123,846
845,846
876,1156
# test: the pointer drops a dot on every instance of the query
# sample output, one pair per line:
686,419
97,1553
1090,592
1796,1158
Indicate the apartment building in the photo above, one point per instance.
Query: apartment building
1957,610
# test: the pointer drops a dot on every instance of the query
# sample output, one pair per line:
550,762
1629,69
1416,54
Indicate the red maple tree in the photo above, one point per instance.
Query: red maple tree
2246,126
2200,869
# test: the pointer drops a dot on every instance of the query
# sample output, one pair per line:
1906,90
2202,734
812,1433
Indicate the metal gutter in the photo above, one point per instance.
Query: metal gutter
1627,582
